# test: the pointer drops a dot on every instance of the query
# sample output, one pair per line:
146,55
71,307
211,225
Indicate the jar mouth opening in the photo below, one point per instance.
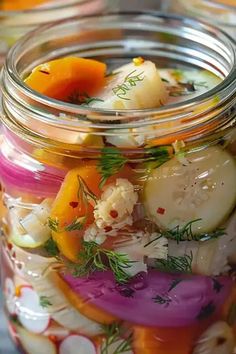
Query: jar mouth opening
67,113
44,8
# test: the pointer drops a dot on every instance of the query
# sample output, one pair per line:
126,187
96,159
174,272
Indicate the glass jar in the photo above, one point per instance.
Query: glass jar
116,247
15,24
221,13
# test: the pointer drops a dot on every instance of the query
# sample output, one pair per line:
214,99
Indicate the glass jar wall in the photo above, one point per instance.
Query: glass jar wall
221,13
119,231
19,17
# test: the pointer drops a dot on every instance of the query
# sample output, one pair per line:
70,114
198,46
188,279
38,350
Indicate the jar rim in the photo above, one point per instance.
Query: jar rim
43,9
101,118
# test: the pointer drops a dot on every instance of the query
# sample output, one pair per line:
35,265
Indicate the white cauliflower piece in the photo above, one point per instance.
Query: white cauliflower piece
208,257
93,233
144,244
136,267
136,251
116,205
157,247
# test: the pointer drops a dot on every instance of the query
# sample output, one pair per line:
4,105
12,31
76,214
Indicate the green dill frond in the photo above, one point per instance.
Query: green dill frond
157,155
93,258
185,233
130,81
111,162
53,224
115,335
51,248
161,300
44,302
85,195
76,224
181,264
83,98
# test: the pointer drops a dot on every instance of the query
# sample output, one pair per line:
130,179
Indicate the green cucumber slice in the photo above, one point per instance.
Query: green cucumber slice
205,189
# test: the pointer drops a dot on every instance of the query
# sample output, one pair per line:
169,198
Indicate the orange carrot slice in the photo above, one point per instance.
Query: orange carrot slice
69,79
169,139
11,5
73,202
166,340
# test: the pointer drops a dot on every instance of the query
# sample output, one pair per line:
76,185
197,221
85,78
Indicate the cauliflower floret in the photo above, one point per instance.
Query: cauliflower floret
116,205
136,267
144,244
156,247
93,233
136,250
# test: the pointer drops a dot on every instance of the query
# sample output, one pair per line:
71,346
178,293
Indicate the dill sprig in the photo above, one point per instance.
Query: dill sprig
130,81
217,286
181,264
53,224
114,335
83,98
162,300
185,233
51,248
44,302
206,311
85,195
174,283
159,155
199,83
186,88
92,258
165,80
76,224
112,73
111,162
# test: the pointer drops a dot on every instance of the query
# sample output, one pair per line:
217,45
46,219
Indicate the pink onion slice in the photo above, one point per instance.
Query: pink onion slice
44,183
155,299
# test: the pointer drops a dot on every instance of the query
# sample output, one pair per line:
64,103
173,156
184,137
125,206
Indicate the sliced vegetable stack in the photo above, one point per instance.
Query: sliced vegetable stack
132,250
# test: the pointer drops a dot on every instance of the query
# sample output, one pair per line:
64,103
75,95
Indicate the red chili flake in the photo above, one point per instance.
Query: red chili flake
9,246
114,214
107,228
74,204
161,211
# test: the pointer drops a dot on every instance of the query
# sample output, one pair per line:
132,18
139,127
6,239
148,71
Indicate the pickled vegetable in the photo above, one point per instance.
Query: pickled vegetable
202,189
122,241
69,79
